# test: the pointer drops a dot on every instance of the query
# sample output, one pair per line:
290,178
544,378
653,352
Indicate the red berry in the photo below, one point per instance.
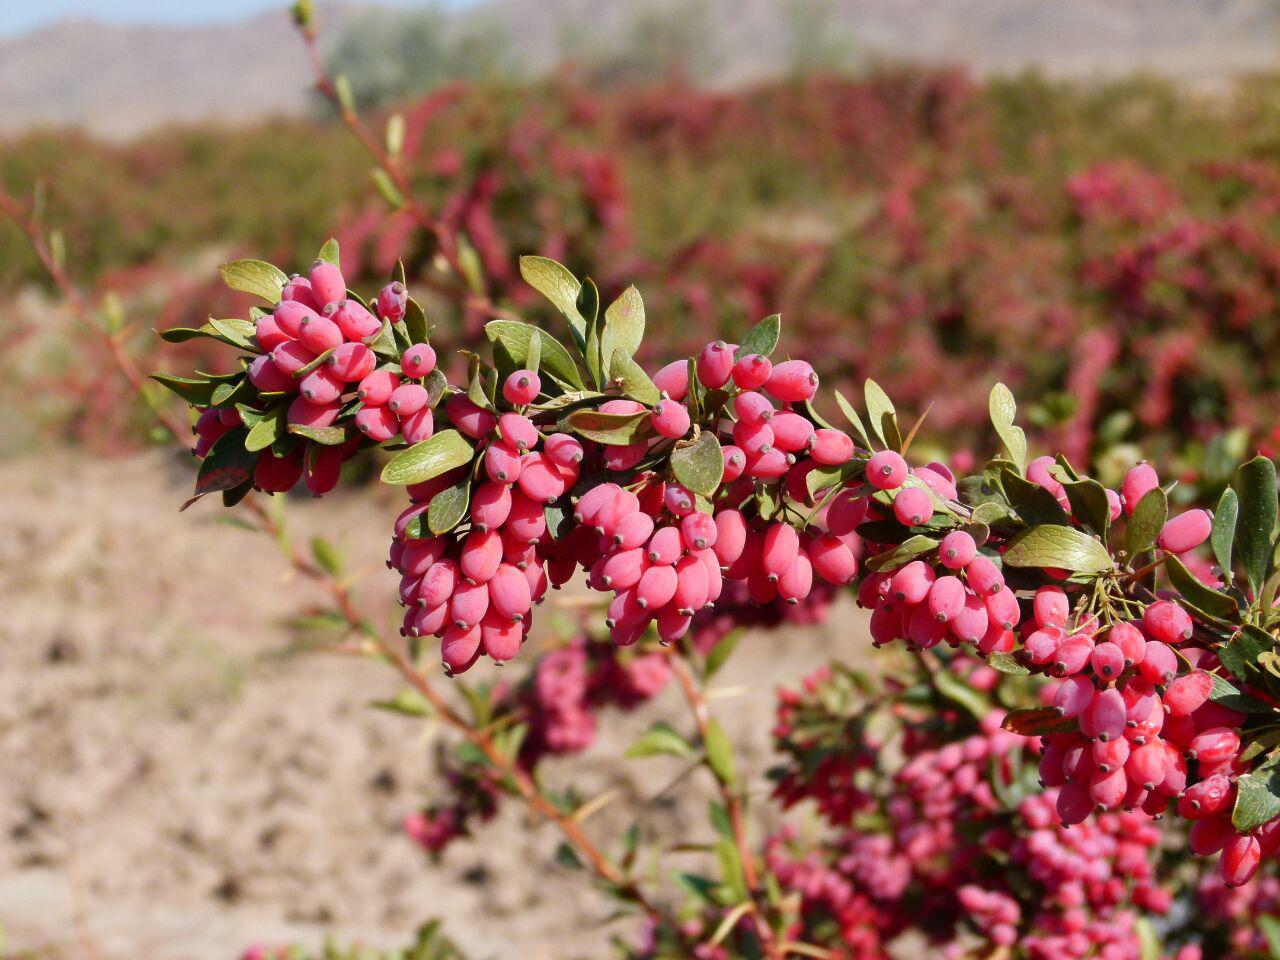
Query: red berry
715,363
1186,694
475,422
352,362
327,283
320,386
418,361
752,371
522,387
1167,622
886,470
509,594
781,546
792,381
1186,531
831,448
289,316
1240,859
1137,483
377,423
912,506
791,432
355,322
419,426
673,379
319,334
946,598
540,479
375,389
392,300
307,414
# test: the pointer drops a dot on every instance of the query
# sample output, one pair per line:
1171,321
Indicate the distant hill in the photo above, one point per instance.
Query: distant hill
118,80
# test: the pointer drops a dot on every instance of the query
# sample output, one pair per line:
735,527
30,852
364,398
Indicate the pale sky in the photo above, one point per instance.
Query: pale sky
19,16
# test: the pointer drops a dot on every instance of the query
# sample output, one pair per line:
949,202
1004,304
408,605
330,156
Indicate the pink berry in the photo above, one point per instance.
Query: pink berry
407,399
791,432
289,316
780,549
469,603
459,647
1186,694
970,624
268,333
677,500
956,550
377,423
327,283
670,419
522,387
509,594
1239,861
833,560
1214,745
796,580
540,479
911,584
392,300
698,531
768,465
319,334
375,389
946,598
656,587
438,583
1107,660
500,637
912,506
268,378
753,408
1186,531
291,356
502,464
355,322
792,381
752,372
418,361
831,448
1167,622
418,426
673,379
715,363
1139,481
527,521
518,431
754,439
735,461
274,474
691,586
665,546
731,536
307,414
321,386
1074,696
983,576
886,470
633,530
1051,607
563,449
352,362
299,289
474,421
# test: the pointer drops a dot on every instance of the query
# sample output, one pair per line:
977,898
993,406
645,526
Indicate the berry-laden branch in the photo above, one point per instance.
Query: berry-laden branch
600,865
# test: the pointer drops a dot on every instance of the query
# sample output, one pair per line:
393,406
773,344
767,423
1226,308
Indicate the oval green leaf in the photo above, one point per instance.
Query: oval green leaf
256,277
700,465
427,460
1051,545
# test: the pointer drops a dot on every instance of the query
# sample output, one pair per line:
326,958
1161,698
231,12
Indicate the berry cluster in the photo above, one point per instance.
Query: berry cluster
1127,682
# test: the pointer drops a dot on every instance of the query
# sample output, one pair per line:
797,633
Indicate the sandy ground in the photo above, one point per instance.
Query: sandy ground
174,788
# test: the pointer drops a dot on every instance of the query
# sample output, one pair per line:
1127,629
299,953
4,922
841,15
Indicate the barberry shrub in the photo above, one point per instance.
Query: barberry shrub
1055,617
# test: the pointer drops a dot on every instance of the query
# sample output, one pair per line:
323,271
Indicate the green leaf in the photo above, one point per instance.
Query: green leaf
1227,694
449,506
1089,503
1066,548
851,415
198,393
960,693
240,333
1197,594
516,337
661,739
623,326
1240,655
227,465
1038,722
1003,407
880,411
383,343
614,429
1255,484
255,277
329,252
415,322
424,461
719,753
1270,928
719,655
700,464
312,364
1007,663
1224,530
326,436
1033,502
762,338
436,384
903,553
267,430
327,557
1146,522
1257,799
1148,940
557,284
634,381
559,517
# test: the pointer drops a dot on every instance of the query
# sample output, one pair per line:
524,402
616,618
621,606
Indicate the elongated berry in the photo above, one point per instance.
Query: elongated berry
419,426
692,586
1239,861
632,531
1074,696
832,560
1167,622
983,576
946,598
291,356
791,432
509,594
563,449
1214,745
307,414
376,388
1147,764
831,448
540,479
268,332
320,386
377,423
438,583
1139,481
469,604
392,300
656,587
752,439
521,387
792,381
912,506
299,288
1130,640
622,570
678,500
970,624
1207,798
319,334
1072,654
327,283
407,399
527,520
289,316
957,548
273,474
502,464
673,379
1186,694
459,648
670,419
1159,664
911,583
418,361
796,580
352,362
735,461
1074,803
1002,608
481,553
845,513
752,372
781,546
1186,531
1107,660
355,322
500,636
268,378
475,422
731,536
665,546
322,466
715,363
